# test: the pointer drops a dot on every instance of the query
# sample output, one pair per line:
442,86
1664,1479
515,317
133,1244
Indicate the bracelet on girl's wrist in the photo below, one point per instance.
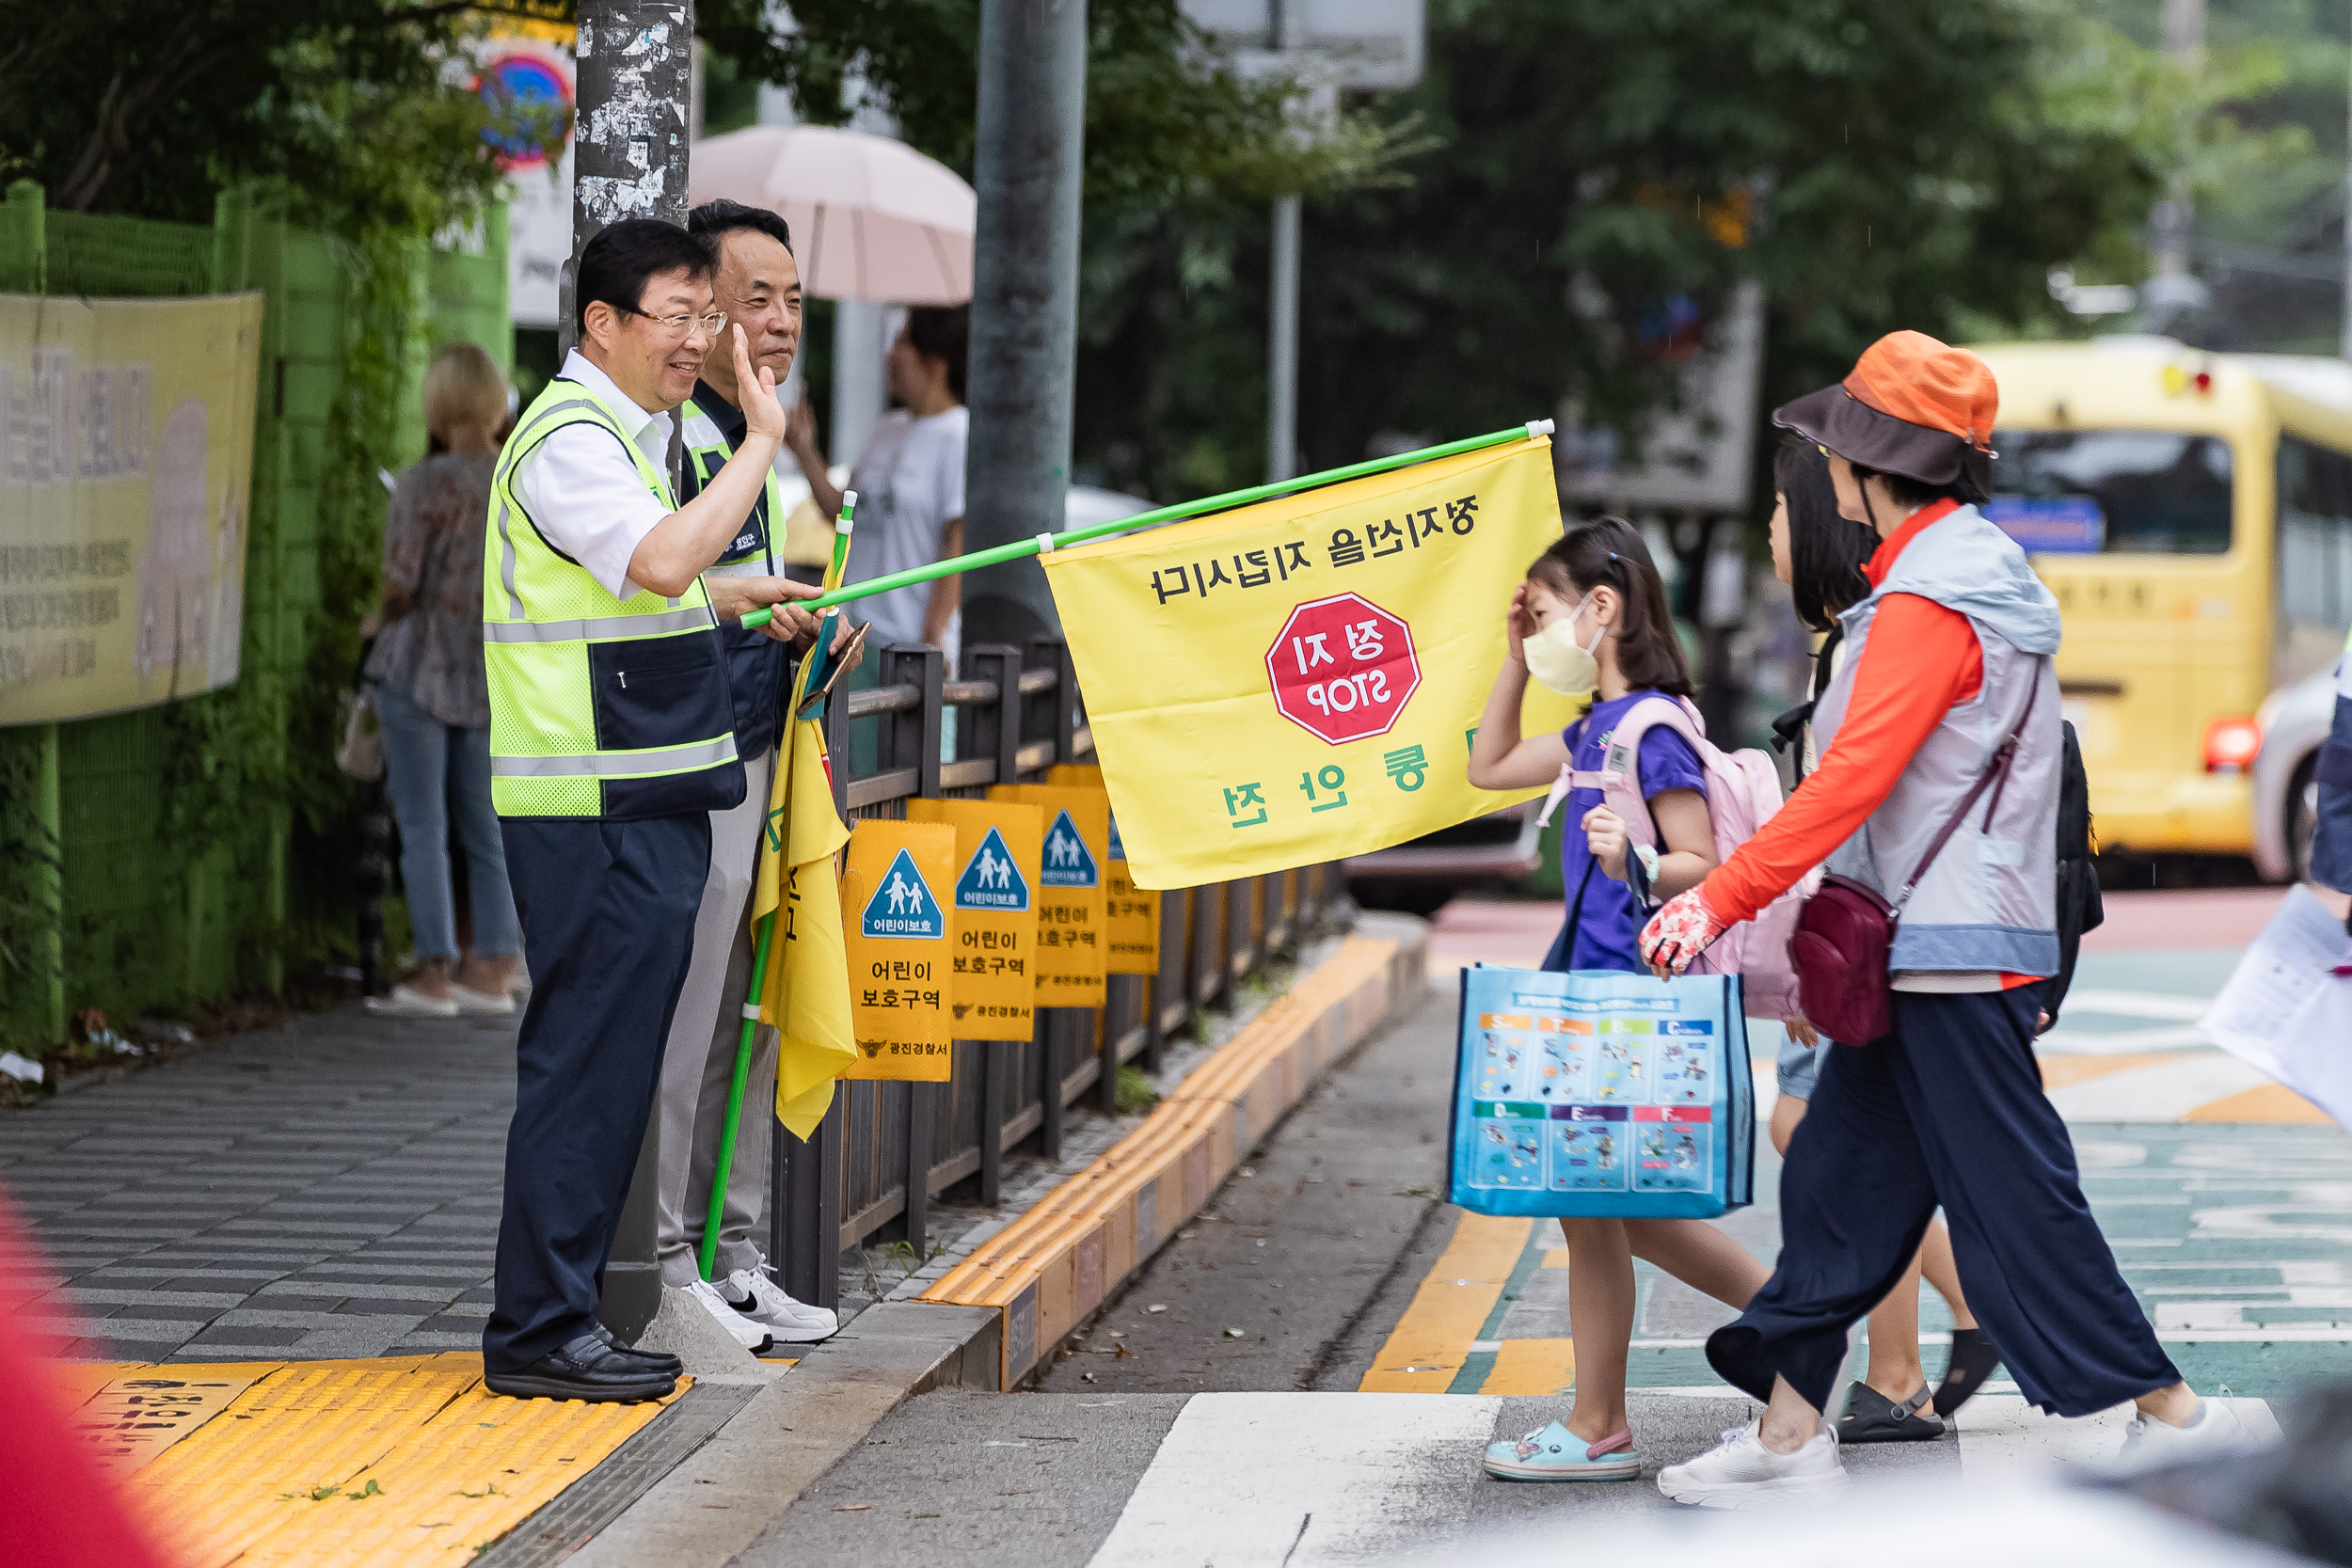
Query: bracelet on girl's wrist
1649,861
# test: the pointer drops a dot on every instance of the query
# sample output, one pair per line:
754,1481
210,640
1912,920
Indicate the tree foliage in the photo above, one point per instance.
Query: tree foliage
1874,165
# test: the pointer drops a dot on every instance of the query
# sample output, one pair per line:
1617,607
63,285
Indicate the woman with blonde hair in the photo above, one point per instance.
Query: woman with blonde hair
426,676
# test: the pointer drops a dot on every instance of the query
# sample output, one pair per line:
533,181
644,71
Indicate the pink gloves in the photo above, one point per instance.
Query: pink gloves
1677,933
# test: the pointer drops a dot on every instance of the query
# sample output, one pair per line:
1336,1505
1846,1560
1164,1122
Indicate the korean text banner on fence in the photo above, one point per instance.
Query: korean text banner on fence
126,460
1299,681
901,935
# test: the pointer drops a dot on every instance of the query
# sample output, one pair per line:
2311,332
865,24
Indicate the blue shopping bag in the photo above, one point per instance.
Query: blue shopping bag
1602,1095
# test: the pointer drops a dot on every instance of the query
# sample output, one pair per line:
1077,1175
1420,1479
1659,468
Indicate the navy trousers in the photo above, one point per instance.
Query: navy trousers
608,917
1949,1109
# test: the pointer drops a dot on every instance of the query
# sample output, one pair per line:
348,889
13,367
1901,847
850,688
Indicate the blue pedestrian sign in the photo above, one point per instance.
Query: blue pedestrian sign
1068,861
990,880
1118,848
903,905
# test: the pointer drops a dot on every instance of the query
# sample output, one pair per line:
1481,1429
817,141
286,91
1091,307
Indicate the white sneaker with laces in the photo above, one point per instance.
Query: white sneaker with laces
795,1323
751,1336
1741,1472
2217,1433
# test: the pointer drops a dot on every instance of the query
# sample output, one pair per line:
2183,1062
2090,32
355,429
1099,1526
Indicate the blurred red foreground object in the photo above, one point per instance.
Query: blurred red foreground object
61,1511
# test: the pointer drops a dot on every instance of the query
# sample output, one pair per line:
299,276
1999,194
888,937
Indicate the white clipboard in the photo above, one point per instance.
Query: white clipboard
2285,1010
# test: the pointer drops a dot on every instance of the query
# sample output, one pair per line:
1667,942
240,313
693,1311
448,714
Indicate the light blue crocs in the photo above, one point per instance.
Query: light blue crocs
1555,1453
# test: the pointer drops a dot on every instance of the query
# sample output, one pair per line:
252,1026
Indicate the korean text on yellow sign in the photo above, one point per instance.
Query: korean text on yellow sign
126,460
991,982
1071,907
1299,681
1131,916
901,938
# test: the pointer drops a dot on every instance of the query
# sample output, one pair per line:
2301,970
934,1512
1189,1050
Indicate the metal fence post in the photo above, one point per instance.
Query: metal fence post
995,726
1049,1079
1107,1052
918,1210
993,1078
806,1212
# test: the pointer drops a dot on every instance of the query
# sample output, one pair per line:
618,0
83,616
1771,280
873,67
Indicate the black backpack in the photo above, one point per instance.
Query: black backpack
2079,907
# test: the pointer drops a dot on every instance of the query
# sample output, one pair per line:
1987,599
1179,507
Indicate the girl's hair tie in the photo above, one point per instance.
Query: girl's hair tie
1613,555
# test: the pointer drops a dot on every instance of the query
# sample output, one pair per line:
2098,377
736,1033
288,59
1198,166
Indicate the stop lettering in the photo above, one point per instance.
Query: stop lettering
1342,668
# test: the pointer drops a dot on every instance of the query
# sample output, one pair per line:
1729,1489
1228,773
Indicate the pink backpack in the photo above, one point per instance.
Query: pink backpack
1742,793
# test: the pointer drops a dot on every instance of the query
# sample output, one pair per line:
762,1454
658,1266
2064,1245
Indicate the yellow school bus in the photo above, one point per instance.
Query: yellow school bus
2193,514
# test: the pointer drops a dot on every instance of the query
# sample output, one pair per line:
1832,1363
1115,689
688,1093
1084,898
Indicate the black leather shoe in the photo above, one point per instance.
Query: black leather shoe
661,1360
587,1369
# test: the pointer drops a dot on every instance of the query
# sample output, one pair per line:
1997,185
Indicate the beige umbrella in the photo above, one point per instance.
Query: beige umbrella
872,219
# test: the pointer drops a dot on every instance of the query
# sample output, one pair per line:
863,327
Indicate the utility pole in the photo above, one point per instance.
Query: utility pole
2174,291
634,91
1026,170
1281,356
2345,345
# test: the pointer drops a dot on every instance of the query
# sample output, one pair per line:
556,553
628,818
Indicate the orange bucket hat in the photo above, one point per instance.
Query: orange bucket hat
1913,406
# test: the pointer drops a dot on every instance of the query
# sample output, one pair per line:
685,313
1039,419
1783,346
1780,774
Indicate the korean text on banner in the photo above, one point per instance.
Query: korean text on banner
1131,922
992,986
1299,681
126,461
1070,900
804,994
901,938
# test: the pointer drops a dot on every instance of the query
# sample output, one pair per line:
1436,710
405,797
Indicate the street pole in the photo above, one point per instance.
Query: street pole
635,86
1026,168
1282,382
2344,344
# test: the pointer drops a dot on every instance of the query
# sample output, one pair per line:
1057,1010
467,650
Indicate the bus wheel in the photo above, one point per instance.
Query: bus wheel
2302,818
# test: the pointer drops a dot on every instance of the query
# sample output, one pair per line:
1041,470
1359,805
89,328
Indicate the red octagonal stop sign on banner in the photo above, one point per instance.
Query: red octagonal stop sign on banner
1342,668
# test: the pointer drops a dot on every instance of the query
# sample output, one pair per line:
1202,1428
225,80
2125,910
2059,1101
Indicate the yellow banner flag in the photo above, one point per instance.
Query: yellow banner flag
991,989
1299,681
1072,955
1131,917
807,991
900,929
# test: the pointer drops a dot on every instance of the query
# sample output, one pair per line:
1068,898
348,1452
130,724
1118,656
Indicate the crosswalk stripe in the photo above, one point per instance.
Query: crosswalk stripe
2001,1433
1294,1478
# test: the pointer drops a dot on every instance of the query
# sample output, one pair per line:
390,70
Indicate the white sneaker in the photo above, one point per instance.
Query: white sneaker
2152,1445
409,1002
1741,1472
751,1336
794,1322
487,1004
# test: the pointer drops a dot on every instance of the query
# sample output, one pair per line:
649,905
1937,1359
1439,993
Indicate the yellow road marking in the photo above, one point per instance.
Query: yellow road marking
2060,1072
1555,1258
2262,1103
1532,1367
1433,1337
397,1460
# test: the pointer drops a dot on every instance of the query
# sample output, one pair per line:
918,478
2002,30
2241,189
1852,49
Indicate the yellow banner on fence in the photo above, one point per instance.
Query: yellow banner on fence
1071,952
1131,917
1299,680
991,983
805,995
900,936
126,460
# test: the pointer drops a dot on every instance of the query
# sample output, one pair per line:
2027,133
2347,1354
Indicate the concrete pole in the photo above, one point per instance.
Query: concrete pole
1024,304
862,328
1282,358
2185,40
2345,345
628,150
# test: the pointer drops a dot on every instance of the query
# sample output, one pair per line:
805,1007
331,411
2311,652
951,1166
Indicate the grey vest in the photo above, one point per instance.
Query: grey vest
1989,901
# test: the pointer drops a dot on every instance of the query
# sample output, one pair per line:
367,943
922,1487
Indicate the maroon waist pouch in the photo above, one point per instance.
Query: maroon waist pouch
1846,932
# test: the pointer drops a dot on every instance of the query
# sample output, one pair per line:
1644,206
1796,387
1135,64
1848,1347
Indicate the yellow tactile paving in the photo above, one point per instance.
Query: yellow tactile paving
134,1417
1532,1367
1451,1307
2263,1103
402,1460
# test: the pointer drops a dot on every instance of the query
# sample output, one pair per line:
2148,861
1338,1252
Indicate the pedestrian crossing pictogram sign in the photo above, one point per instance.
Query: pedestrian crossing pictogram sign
903,905
1072,912
1132,914
992,972
900,948
992,879
1068,861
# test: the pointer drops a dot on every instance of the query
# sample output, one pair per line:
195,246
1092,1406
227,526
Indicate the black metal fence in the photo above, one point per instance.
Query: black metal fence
887,1148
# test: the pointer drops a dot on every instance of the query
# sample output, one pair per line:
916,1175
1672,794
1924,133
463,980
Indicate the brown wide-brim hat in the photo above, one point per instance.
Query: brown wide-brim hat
1913,406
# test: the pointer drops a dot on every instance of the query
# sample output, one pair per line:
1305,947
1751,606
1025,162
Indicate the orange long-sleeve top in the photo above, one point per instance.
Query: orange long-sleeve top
1920,662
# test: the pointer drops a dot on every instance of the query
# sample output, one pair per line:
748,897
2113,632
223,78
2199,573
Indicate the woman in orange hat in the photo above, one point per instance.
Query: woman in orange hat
1948,678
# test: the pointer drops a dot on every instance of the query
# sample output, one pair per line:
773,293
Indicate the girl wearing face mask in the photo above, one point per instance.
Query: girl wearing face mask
1592,618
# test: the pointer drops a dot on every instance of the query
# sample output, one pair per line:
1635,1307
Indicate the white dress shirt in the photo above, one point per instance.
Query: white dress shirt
583,492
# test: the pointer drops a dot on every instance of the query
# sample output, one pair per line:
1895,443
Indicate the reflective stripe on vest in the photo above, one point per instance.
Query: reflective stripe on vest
561,651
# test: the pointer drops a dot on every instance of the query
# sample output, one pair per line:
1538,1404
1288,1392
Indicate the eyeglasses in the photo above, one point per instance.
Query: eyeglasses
685,325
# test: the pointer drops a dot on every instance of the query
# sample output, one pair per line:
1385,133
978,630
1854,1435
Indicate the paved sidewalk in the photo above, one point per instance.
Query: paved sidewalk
328,1190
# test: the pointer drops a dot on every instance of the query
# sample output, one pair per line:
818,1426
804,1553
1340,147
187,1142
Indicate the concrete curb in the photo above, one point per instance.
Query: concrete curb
1052,1266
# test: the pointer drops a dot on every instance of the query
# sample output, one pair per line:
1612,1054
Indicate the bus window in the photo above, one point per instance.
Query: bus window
2315,538
2146,492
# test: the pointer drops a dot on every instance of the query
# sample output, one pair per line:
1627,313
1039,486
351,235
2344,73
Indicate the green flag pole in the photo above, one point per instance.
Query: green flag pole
1001,553
732,1126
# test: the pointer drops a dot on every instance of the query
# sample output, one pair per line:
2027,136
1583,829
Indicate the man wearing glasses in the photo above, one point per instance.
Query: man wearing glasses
611,742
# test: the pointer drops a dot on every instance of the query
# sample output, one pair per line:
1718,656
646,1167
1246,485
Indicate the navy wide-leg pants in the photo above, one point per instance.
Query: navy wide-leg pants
608,917
1949,1109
